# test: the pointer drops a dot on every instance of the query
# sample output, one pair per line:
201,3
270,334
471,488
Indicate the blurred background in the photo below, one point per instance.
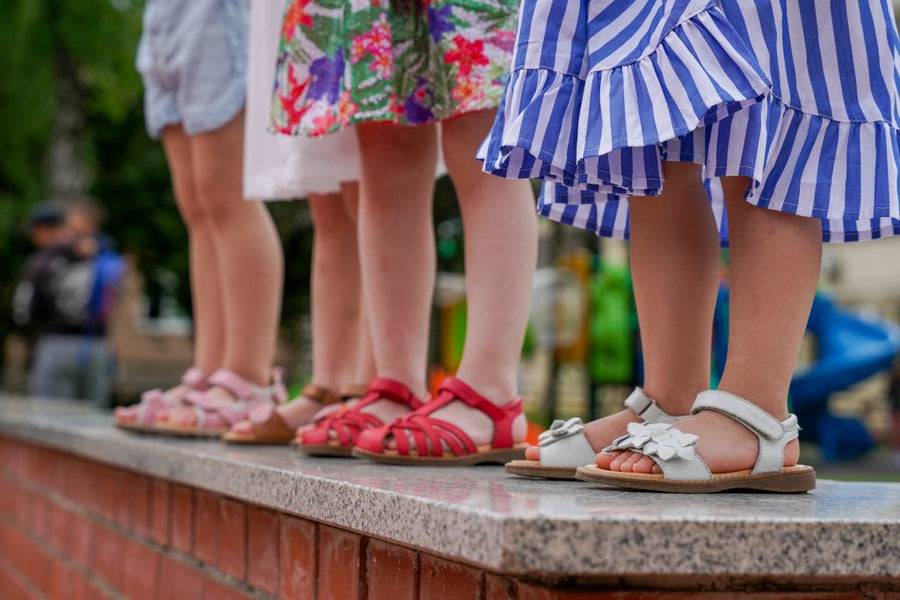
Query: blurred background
77,165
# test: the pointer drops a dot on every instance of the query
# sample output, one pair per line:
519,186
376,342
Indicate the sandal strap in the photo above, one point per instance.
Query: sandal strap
646,408
430,434
195,378
320,394
242,389
382,388
357,390
773,434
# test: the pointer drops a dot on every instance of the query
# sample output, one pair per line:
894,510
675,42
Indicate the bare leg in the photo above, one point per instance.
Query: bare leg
209,330
364,357
247,249
775,262
397,252
674,254
336,305
501,254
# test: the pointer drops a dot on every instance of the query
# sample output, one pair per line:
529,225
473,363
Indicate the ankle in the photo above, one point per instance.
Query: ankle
674,399
416,384
497,390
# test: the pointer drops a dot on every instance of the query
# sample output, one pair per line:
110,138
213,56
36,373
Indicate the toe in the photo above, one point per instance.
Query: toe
644,465
628,464
242,427
604,459
533,453
617,462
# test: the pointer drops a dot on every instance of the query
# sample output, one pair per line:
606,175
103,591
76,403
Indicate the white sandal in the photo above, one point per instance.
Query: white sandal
564,446
684,471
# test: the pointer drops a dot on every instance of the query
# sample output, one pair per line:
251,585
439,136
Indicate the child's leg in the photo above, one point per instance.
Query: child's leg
775,261
397,252
501,254
335,299
209,329
674,254
248,252
362,357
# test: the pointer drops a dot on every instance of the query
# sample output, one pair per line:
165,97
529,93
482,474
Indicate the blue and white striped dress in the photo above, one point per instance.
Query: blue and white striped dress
802,96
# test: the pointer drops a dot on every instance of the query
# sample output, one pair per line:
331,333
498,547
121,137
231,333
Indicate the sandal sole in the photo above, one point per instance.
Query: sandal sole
480,458
791,480
230,438
188,432
533,468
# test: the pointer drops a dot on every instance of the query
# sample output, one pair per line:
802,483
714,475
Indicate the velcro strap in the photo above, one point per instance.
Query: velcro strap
462,391
231,381
388,389
741,410
638,401
194,378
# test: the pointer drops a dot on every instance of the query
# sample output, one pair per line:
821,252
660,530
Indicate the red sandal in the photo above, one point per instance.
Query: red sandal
348,424
433,434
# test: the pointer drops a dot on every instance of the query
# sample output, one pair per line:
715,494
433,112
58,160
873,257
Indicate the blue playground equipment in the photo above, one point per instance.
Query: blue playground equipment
851,347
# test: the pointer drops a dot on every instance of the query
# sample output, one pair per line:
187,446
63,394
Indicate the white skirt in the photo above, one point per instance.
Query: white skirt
278,167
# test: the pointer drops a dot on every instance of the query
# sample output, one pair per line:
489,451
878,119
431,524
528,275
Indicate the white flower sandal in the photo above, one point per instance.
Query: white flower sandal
564,447
684,471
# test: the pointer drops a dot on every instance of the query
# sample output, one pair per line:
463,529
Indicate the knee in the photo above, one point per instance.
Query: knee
190,209
328,213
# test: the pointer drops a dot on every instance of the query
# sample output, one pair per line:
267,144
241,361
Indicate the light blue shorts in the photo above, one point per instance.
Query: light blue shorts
193,60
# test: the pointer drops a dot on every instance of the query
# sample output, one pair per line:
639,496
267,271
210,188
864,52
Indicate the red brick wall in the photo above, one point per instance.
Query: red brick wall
72,528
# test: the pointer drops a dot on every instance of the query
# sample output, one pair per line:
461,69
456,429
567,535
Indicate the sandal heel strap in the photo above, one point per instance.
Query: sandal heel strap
320,394
389,389
773,434
646,408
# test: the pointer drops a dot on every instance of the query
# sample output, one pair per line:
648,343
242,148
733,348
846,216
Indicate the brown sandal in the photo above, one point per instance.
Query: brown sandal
269,427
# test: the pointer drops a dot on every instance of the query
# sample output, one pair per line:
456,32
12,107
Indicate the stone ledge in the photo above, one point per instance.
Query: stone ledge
509,525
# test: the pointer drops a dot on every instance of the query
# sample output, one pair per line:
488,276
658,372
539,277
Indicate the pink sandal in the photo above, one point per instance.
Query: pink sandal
348,424
431,435
214,417
142,416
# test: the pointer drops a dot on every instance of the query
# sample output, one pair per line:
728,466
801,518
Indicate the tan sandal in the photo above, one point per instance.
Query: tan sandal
684,471
267,424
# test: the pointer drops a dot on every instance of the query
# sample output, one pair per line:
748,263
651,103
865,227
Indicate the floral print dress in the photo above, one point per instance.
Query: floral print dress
343,62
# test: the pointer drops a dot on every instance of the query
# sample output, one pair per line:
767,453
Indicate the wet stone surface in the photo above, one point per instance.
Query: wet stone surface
481,516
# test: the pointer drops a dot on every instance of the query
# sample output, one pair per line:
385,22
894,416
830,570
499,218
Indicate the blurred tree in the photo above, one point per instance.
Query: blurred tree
71,122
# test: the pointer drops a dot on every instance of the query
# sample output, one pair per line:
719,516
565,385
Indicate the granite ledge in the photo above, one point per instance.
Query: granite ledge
510,525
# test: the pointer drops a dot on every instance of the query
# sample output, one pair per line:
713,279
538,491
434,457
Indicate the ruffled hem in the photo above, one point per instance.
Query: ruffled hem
584,132
845,174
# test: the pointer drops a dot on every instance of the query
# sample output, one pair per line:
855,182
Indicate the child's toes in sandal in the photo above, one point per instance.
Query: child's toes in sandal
683,470
420,438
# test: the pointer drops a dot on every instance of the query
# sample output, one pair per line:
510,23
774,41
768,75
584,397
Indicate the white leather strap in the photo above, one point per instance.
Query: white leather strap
773,434
646,408
573,451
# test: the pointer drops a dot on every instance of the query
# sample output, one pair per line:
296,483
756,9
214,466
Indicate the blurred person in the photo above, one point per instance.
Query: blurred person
193,61
65,299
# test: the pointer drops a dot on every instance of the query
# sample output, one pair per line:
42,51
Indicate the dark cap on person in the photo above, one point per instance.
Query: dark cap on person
45,214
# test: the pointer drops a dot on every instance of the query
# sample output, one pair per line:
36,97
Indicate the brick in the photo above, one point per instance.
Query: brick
106,555
262,549
439,578
213,590
161,495
12,585
138,495
498,588
297,543
182,518
30,560
140,570
206,527
59,580
178,581
80,539
60,528
391,571
340,564
233,538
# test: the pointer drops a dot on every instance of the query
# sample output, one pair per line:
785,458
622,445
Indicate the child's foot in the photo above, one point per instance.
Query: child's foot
599,433
469,427
724,445
293,414
336,434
